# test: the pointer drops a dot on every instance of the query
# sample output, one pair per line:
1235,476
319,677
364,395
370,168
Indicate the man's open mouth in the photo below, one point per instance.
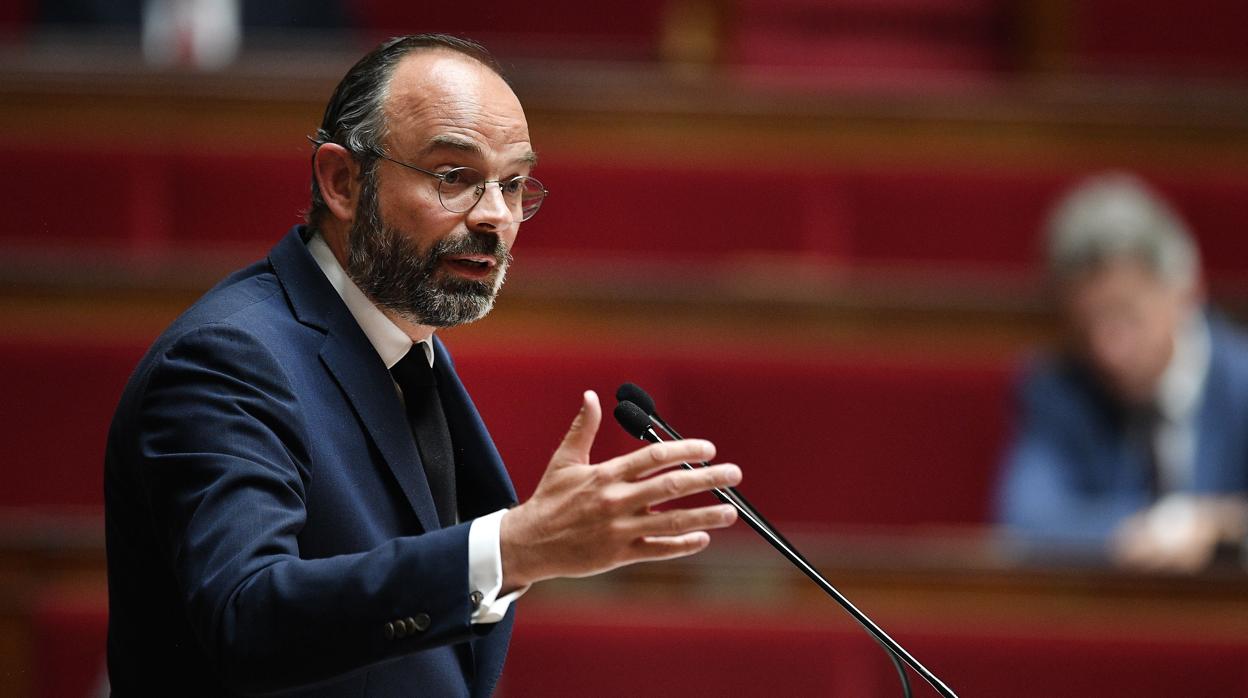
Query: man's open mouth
474,261
474,265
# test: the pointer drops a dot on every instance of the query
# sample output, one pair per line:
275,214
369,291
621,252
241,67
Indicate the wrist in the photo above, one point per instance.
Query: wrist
514,554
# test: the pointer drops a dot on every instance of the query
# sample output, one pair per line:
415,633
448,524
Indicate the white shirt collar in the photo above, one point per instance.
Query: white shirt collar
390,342
1183,382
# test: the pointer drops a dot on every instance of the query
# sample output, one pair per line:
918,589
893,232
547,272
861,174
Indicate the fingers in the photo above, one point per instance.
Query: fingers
655,457
679,522
580,437
669,547
681,483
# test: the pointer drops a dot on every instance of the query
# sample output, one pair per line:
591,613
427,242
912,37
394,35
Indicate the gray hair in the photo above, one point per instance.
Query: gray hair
1116,216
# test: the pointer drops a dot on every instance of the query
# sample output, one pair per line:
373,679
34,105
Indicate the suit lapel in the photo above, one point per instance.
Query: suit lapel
368,386
354,364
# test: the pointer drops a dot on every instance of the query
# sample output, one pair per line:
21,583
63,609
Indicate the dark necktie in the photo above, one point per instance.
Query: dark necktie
433,438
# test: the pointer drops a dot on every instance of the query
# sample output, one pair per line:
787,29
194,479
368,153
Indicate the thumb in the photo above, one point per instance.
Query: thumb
580,437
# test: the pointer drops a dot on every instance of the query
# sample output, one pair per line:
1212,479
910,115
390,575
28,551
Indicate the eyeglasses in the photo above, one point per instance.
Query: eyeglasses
460,188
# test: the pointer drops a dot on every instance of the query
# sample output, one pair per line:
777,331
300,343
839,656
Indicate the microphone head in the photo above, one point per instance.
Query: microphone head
634,420
631,392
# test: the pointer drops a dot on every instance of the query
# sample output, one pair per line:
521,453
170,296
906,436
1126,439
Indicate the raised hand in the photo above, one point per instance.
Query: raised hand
586,518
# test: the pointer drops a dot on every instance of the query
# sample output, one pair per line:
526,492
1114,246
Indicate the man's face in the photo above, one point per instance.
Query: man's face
1123,320
406,251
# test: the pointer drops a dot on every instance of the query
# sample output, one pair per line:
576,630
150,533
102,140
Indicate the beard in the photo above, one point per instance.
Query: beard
395,274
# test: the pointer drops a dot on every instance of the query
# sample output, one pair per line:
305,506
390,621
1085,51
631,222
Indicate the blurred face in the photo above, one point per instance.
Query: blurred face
406,251
1123,320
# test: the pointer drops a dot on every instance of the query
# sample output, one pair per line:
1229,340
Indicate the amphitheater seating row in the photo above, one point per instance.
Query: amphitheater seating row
917,217
626,650
836,41
838,440
683,652
831,39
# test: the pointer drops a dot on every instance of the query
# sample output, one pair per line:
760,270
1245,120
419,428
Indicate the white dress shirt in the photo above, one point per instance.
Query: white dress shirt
1175,517
1178,400
485,560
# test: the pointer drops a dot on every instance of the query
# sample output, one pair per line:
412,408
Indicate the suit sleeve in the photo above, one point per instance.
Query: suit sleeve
223,463
1041,496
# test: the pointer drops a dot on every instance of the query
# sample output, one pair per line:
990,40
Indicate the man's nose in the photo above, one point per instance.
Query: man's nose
492,210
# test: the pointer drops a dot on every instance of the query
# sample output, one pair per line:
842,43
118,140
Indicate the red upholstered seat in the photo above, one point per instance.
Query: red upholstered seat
837,440
618,650
117,202
851,441
1160,37
916,217
59,399
869,41
145,202
551,28
826,440
926,218
237,198
661,650
679,212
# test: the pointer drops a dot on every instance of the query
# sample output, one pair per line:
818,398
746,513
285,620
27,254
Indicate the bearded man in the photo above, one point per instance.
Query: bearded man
300,495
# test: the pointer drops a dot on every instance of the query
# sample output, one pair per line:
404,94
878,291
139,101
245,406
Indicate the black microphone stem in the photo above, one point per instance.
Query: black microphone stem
731,491
796,558
756,519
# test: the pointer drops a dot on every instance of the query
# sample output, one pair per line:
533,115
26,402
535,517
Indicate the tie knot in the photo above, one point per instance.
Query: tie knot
413,369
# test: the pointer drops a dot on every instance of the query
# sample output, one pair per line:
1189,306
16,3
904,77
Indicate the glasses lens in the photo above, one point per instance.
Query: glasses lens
460,188
532,194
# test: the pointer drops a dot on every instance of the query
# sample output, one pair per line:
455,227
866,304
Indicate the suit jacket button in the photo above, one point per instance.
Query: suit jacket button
422,621
389,631
476,597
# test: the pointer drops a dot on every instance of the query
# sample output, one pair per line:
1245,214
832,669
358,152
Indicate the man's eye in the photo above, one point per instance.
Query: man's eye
452,177
513,186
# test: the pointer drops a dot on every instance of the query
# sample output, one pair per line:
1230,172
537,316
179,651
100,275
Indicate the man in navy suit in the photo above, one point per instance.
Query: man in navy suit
285,509
1134,439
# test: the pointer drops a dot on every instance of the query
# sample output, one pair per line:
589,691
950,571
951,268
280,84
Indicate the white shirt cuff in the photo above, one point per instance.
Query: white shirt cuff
485,569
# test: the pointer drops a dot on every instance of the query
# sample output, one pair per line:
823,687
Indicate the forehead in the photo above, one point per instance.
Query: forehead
1120,283
439,96
1123,275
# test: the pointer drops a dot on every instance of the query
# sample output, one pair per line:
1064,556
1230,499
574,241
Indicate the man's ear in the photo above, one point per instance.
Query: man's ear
337,174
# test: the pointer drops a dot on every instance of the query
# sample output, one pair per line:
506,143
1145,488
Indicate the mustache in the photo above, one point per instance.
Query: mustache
473,243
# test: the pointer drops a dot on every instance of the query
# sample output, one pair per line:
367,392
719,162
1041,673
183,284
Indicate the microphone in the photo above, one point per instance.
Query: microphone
637,422
633,419
631,392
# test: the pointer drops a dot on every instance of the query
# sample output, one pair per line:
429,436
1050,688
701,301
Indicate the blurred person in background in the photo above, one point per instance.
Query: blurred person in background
1133,439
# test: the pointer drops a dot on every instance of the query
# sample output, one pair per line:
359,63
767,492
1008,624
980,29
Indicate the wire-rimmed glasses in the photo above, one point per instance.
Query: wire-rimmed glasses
460,188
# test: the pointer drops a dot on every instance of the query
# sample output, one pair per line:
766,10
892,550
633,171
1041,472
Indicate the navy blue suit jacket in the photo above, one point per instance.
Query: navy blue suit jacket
267,513
1072,474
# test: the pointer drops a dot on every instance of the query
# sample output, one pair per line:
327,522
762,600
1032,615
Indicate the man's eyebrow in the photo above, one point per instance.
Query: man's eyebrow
464,145
444,141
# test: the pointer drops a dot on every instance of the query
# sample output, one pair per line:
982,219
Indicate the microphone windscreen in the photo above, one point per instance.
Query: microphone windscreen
631,392
634,420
